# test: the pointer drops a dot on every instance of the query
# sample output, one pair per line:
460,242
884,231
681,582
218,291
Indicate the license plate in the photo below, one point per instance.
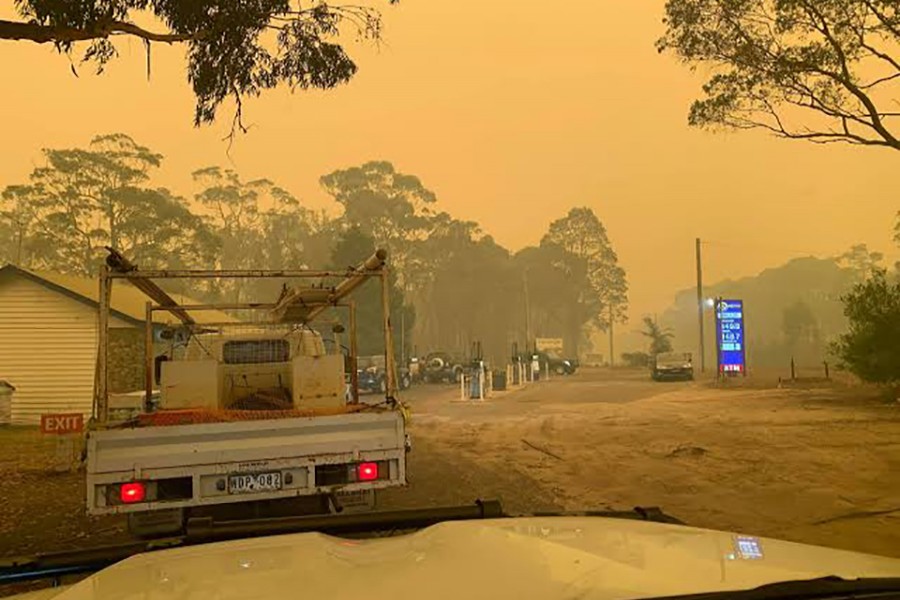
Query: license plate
248,483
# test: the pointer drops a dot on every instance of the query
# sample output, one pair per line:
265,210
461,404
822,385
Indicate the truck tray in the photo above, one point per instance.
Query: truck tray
164,418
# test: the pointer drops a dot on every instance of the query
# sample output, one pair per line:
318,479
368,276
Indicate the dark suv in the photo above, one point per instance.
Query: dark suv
442,366
372,378
559,366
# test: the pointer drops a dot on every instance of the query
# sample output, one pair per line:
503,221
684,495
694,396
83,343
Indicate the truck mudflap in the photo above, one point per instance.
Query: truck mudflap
184,466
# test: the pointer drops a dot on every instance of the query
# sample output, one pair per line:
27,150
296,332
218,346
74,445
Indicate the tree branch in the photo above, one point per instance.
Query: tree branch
845,79
42,34
882,17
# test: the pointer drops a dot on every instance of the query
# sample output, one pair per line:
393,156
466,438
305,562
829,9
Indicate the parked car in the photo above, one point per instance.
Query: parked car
373,377
559,366
442,366
672,366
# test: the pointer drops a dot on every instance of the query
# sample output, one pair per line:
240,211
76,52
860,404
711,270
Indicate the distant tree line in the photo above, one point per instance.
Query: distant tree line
452,284
841,309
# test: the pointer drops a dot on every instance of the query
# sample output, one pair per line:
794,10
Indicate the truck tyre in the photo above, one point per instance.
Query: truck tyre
561,370
457,375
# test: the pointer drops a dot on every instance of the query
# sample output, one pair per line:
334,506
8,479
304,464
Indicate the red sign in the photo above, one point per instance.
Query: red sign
62,424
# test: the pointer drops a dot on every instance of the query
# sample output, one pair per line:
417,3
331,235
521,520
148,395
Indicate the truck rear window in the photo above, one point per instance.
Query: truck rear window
256,351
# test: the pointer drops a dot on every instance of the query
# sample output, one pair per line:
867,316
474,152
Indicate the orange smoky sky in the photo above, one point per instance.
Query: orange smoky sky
512,113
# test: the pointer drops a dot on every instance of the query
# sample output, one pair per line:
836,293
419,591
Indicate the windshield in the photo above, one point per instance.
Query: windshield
673,358
262,259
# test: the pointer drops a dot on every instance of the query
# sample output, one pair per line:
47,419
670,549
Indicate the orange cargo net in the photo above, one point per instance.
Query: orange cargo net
162,418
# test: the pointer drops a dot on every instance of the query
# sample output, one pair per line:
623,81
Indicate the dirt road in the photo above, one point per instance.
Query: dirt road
815,466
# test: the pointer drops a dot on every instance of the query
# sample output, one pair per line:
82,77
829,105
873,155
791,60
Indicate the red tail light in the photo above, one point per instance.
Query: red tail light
129,493
367,471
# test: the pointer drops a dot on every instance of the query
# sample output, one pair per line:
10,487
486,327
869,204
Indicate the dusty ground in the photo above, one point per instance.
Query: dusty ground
810,465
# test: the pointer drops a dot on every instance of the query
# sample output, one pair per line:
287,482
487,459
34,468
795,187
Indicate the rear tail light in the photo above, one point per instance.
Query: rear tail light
130,493
367,471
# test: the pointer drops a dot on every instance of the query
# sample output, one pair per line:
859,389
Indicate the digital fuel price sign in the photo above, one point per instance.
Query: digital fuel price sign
732,351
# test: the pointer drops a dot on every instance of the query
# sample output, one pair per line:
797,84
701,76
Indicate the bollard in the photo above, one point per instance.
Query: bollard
826,370
481,382
793,370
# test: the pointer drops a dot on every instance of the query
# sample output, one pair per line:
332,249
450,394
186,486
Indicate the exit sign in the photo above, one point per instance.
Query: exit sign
63,424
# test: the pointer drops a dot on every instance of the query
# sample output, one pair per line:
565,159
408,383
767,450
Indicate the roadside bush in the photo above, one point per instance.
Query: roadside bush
870,349
636,359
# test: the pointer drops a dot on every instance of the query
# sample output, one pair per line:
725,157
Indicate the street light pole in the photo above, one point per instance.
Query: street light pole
700,308
612,356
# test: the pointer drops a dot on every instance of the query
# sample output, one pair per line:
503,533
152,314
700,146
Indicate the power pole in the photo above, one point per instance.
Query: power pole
403,332
700,308
527,308
612,356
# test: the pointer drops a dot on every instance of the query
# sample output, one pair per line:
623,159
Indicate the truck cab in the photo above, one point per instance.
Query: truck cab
253,369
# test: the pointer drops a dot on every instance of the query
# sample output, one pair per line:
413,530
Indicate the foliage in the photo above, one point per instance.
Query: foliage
560,296
475,297
395,209
660,338
17,222
258,225
870,349
819,70
451,285
816,282
350,249
799,325
897,229
583,236
861,260
84,199
234,49
636,359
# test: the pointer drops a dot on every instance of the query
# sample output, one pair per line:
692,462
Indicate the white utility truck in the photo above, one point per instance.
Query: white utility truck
246,419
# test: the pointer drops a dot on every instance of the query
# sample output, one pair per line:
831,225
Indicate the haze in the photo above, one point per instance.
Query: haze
511,116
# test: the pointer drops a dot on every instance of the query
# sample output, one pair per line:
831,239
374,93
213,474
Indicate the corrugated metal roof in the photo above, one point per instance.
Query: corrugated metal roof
129,302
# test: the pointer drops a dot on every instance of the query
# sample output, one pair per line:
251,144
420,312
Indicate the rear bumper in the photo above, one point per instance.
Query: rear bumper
205,492
673,375
202,456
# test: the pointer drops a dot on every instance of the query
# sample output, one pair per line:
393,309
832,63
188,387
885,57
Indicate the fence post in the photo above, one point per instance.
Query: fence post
827,376
793,370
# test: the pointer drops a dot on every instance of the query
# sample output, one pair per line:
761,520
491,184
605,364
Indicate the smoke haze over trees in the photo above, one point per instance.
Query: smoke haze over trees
452,284
794,310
